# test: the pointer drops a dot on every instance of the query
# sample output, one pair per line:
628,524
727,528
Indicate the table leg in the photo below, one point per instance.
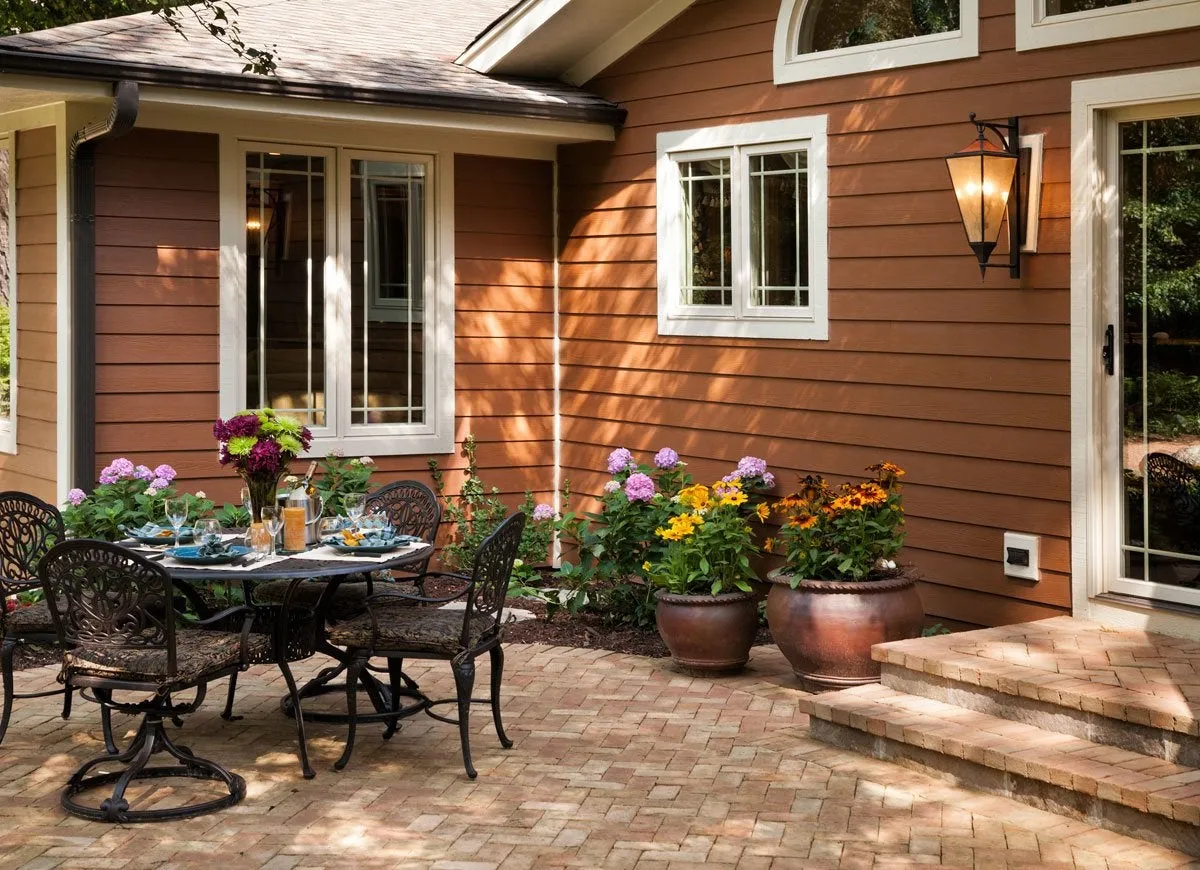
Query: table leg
298,712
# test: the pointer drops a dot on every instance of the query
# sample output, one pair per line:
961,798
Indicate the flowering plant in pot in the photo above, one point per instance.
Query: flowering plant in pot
259,445
840,591
705,610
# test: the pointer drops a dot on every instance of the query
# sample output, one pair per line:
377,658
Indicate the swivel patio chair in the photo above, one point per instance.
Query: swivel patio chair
114,615
413,509
395,631
28,529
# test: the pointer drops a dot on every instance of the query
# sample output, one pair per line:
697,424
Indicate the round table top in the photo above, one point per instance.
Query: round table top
310,569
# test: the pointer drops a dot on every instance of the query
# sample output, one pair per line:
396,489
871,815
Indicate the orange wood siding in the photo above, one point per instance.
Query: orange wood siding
34,467
965,384
158,318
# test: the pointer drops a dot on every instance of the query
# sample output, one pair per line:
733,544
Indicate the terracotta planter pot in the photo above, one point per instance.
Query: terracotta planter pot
708,634
826,628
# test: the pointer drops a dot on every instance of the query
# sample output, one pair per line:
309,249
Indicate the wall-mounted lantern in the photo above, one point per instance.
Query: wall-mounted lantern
987,183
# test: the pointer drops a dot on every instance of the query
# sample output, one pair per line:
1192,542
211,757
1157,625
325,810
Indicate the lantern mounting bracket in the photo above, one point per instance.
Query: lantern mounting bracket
1009,134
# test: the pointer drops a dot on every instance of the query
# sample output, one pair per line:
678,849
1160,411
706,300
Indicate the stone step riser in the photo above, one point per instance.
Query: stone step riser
1182,835
1145,739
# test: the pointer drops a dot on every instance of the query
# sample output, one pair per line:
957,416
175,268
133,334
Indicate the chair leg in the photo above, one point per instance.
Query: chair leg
105,698
68,697
464,684
6,665
227,713
352,671
396,684
497,654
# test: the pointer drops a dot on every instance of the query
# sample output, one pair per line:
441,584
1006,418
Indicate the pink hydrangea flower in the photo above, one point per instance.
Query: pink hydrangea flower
666,459
751,466
620,460
611,487
159,483
165,472
76,496
143,473
543,512
769,480
639,487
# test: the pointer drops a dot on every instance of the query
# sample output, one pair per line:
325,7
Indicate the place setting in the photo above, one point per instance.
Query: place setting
355,537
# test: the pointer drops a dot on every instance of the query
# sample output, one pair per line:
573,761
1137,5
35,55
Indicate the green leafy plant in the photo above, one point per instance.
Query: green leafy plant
128,496
477,511
709,542
232,516
339,477
849,532
1172,404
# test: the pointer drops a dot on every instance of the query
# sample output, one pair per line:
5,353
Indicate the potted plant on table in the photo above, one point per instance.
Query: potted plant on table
705,609
260,444
840,591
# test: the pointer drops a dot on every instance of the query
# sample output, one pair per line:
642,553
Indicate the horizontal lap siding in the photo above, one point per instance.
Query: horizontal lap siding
964,384
34,467
158,316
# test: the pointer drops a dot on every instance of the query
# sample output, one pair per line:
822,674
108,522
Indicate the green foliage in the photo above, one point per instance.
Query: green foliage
339,477
845,24
217,18
5,360
1172,404
709,543
233,516
934,630
842,533
477,511
112,507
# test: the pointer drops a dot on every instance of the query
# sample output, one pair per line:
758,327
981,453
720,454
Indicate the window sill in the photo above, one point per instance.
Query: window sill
8,439
382,445
1151,16
748,327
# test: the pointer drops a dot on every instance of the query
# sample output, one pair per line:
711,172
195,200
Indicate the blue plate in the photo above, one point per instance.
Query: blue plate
191,555
373,547
185,534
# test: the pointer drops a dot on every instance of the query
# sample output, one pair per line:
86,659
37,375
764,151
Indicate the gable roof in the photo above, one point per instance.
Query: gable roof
396,52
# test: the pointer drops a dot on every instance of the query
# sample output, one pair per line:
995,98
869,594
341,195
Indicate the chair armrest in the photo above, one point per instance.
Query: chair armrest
249,615
424,599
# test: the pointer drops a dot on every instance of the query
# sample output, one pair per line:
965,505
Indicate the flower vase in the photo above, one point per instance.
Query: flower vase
262,493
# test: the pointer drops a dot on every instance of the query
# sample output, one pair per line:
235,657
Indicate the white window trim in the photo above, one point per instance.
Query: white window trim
740,320
8,426
1035,30
1096,105
792,65
436,435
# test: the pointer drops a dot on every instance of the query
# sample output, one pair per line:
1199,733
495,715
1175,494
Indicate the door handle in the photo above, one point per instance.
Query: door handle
1107,351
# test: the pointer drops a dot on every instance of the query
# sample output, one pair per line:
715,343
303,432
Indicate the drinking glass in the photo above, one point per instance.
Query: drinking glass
206,531
247,502
258,540
328,527
355,504
177,511
273,520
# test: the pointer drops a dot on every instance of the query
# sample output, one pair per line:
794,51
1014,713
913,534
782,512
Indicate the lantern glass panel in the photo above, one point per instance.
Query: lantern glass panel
982,184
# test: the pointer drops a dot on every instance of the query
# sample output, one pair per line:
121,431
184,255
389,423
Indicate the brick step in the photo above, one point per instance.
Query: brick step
1124,791
1130,689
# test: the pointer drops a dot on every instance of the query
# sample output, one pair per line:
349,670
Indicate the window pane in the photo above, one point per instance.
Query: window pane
1067,7
708,266
779,229
6,300
835,24
387,274
285,298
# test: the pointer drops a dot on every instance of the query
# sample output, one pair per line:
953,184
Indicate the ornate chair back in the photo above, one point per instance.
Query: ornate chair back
492,571
1175,493
412,509
101,595
29,527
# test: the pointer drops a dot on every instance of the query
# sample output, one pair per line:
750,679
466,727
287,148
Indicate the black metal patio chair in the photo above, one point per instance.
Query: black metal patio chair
114,615
393,630
29,527
413,509
1174,496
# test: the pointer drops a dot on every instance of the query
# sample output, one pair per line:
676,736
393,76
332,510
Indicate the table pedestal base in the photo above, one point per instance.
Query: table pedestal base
382,699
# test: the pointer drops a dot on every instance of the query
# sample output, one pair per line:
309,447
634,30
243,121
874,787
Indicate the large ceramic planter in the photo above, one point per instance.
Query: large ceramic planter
708,634
826,628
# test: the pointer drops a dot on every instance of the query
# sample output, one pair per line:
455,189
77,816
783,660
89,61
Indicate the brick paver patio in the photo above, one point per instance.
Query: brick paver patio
619,763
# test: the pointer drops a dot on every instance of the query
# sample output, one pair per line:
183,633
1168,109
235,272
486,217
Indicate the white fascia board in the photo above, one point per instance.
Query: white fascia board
625,40
486,53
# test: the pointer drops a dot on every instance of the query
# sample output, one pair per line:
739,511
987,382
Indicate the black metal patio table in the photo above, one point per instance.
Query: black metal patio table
291,625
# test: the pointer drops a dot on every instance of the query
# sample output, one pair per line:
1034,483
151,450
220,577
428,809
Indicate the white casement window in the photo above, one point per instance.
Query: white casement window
816,39
338,313
8,296
1045,23
742,230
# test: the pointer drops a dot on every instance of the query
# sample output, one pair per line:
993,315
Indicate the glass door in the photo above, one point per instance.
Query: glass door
1155,309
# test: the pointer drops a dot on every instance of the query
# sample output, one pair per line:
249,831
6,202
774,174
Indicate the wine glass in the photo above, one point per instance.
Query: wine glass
355,504
328,527
247,503
177,511
206,531
273,519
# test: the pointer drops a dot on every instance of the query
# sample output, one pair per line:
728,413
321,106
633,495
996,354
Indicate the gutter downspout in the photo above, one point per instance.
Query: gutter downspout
82,157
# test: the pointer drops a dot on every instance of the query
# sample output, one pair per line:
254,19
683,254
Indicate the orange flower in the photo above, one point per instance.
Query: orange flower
807,521
763,512
872,493
769,544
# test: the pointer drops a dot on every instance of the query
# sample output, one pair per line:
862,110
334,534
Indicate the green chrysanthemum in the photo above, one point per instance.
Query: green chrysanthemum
289,443
241,445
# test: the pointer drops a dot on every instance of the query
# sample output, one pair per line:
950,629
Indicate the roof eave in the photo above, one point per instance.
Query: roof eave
74,67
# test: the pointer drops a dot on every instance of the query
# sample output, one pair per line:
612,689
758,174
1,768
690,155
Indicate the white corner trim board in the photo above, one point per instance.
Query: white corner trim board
793,65
1036,30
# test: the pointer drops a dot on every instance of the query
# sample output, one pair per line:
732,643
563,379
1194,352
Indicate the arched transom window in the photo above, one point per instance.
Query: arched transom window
823,38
